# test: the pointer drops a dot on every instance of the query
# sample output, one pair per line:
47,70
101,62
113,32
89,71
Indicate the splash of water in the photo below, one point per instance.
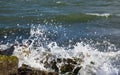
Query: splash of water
105,63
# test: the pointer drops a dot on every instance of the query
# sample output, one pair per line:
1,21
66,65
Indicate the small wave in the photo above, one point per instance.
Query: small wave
69,18
76,18
60,2
97,14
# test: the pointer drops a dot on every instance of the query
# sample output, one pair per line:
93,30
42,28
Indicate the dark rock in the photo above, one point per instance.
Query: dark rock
92,62
59,60
64,60
53,73
46,64
54,67
12,64
76,70
3,64
79,60
8,65
43,73
66,68
71,61
26,70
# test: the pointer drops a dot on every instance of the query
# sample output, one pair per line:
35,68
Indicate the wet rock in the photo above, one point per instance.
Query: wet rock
46,64
53,73
3,64
12,64
8,65
59,60
26,70
92,62
64,60
71,61
66,68
43,73
68,73
76,70
54,66
78,60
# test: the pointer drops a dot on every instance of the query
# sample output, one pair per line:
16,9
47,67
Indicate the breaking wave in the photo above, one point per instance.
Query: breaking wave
42,49
97,14
68,18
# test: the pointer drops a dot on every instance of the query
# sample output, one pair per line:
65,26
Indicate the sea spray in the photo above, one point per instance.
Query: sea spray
93,61
90,45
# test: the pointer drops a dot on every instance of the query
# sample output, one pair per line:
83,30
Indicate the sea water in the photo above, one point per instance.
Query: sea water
65,29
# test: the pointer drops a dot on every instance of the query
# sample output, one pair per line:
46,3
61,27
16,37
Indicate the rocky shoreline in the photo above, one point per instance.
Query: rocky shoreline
9,64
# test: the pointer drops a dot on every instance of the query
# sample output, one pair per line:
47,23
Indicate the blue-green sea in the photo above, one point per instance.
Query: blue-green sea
79,19
67,22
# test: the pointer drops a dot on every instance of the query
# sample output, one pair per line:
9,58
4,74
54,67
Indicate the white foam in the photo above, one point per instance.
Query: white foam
103,60
58,2
98,14
3,47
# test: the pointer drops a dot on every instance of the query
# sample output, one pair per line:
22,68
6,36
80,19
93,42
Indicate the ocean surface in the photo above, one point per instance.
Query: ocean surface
74,26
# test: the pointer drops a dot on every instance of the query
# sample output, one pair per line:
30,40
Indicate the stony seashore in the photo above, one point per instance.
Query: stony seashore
52,64
9,66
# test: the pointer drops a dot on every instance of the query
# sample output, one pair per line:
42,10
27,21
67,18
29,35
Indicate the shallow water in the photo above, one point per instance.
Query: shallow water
66,22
